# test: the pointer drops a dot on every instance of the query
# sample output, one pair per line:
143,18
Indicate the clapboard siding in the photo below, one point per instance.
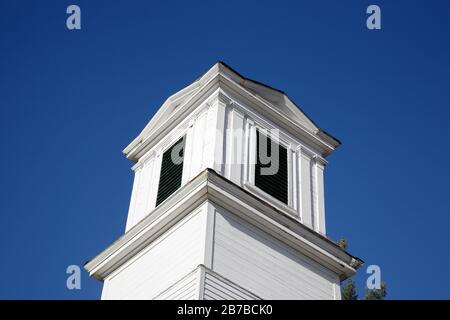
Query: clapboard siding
264,265
218,288
153,270
186,288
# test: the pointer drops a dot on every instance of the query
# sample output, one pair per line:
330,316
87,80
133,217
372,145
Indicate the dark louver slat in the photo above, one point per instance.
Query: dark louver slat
276,184
171,173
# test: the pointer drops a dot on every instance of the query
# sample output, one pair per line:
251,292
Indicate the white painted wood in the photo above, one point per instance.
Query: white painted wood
337,289
314,196
215,135
188,150
294,192
264,265
184,289
235,146
305,189
154,184
133,200
209,222
142,193
257,249
224,130
253,214
147,172
168,259
217,287
274,104
251,150
320,198
198,138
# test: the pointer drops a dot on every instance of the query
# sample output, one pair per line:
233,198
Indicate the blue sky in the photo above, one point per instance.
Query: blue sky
71,100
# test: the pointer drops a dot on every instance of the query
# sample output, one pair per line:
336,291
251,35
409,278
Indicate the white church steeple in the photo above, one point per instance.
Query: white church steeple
227,201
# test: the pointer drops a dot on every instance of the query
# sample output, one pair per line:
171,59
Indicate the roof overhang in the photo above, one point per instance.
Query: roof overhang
209,186
221,76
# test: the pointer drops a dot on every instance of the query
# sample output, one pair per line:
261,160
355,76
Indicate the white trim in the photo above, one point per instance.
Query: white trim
252,153
188,154
219,80
250,182
209,185
134,195
209,235
201,282
271,199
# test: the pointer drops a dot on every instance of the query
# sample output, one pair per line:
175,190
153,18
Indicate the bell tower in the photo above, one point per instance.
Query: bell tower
227,201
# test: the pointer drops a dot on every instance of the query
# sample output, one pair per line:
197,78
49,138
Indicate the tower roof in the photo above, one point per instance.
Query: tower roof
223,75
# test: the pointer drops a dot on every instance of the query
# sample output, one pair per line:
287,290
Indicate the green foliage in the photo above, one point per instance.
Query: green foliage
376,294
348,291
342,243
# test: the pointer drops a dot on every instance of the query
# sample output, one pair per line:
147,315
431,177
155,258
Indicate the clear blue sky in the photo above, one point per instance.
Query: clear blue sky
71,100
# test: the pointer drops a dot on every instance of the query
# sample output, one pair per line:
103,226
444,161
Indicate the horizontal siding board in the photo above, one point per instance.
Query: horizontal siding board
182,293
223,291
255,261
233,292
261,285
219,288
266,266
183,289
227,292
227,288
155,269
213,296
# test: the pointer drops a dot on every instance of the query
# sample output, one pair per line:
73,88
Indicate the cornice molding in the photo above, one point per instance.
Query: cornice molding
215,86
209,186
306,152
320,160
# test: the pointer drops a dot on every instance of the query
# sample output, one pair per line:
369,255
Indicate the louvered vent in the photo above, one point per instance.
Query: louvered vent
171,172
277,184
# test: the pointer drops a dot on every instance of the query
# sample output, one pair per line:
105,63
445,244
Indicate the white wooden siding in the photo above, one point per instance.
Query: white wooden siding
222,132
187,288
305,189
172,256
146,179
198,138
320,198
266,266
219,288
235,146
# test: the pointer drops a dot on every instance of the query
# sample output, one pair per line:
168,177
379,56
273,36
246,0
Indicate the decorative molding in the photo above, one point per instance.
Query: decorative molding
275,202
304,151
214,84
356,263
223,98
320,160
209,186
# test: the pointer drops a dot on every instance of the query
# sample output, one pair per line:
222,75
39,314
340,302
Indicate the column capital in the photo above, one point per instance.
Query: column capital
305,152
320,160
221,97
